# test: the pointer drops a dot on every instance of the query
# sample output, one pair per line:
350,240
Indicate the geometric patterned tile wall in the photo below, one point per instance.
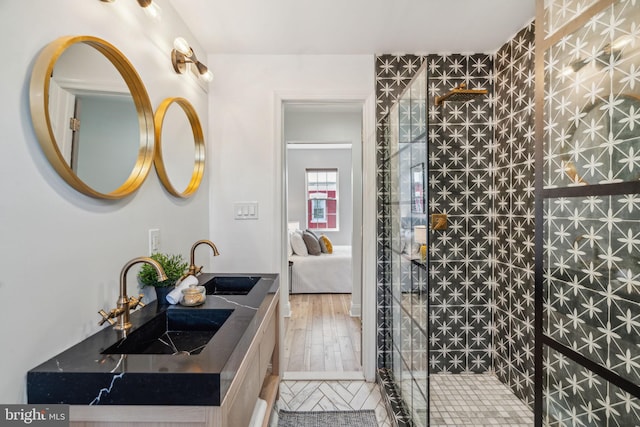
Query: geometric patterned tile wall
591,235
481,269
476,271
513,259
461,157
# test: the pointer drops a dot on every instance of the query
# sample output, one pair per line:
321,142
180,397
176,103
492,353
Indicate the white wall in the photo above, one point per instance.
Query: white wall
61,252
319,126
247,156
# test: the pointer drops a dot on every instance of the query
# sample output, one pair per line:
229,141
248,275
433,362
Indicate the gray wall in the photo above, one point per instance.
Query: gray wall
322,126
326,123
301,159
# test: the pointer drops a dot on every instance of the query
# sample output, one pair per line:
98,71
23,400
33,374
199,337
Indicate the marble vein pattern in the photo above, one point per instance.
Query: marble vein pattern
237,304
106,391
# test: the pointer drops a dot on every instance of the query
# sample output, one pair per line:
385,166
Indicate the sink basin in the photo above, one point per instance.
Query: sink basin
174,331
231,285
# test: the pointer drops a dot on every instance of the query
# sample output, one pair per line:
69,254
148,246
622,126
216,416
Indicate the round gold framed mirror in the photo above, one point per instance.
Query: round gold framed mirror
179,151
92,116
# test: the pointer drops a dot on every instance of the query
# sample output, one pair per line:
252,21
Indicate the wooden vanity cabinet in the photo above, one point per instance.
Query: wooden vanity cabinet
254,378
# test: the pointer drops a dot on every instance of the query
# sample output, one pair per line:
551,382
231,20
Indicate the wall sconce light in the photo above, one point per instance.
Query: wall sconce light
602,57
150,8
182,55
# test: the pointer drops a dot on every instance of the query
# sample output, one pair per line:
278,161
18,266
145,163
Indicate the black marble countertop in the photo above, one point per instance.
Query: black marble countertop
82,375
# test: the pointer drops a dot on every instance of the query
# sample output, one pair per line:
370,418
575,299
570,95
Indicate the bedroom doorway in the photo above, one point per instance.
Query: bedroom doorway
323,165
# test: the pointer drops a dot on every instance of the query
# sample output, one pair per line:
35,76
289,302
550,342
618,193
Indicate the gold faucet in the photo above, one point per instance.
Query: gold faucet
125,304
193,270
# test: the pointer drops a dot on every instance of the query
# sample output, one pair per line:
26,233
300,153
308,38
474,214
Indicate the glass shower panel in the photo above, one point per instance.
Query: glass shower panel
576,396
591,135
591,221
557,13
592,280
394,187
418,93
408,171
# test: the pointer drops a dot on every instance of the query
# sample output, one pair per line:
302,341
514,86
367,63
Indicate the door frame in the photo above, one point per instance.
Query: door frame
364,236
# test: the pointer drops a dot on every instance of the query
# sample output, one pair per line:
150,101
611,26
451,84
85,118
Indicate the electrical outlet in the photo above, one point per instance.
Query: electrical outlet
154,241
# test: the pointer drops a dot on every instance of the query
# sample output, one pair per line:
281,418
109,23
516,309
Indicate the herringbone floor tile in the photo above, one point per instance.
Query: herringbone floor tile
331,396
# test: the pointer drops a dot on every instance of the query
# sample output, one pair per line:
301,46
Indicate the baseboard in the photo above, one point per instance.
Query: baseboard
323,376
286,310
355,310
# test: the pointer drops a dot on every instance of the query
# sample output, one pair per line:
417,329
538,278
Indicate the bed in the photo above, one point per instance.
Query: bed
322,274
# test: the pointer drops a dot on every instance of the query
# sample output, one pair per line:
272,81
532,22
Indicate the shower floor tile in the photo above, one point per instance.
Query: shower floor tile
478,400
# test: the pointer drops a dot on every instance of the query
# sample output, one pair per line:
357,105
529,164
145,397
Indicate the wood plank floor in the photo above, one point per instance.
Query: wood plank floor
320,336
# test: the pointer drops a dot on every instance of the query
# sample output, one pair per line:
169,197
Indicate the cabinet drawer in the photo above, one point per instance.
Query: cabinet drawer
267,345
241,409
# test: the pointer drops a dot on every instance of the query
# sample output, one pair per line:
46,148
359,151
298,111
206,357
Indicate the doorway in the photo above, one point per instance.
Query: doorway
323,195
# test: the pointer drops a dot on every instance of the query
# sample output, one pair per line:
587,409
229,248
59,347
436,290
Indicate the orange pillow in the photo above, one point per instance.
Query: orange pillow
327,243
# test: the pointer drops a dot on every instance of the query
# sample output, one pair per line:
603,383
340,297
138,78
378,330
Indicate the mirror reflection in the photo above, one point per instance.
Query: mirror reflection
178,149
602,141
179,158
92,116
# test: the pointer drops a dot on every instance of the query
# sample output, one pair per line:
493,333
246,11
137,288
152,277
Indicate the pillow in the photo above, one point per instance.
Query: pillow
323,246
327,244
313,246
289,248
314,234
298,245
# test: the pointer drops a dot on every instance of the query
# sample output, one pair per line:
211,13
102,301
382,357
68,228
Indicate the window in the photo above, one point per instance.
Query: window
318,210
322,199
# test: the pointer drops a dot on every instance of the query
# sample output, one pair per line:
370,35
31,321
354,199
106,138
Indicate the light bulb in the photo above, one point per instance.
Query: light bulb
208,76
153,11
182,46
621,42
567,71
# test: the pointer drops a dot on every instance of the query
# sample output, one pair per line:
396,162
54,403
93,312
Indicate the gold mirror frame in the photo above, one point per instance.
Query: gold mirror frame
198,136
39,105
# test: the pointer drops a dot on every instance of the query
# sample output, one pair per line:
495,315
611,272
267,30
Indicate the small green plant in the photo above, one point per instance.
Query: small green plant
174,267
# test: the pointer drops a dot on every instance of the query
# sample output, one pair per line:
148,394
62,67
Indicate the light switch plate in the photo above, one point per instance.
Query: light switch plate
154,241
245,210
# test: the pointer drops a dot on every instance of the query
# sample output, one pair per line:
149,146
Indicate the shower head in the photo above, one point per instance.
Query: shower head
460,94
